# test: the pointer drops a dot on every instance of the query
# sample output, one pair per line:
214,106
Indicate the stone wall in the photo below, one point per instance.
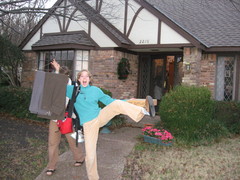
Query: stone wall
103,65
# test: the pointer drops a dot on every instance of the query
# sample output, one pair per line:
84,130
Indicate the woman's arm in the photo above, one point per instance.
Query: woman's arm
55,65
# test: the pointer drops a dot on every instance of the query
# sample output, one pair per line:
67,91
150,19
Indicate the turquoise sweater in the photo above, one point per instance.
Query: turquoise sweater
86,103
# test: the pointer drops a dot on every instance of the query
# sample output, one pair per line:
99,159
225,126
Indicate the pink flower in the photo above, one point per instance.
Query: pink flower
162,134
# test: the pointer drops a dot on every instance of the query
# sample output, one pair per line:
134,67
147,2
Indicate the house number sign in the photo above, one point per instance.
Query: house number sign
144,41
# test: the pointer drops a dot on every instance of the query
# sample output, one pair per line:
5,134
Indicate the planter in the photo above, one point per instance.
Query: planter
155,141
124,76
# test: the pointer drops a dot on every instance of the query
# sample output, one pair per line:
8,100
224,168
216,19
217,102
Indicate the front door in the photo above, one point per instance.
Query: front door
158,74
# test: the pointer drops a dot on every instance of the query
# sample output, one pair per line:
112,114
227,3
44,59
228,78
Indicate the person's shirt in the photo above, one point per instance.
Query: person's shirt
87,100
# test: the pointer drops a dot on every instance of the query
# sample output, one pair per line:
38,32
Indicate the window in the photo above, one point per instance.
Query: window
74,60
81,60
227,79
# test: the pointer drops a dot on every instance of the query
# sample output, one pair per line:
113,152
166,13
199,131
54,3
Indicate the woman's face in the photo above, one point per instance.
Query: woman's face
84,79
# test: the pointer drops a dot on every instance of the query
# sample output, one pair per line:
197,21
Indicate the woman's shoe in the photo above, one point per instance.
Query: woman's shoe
50,172
78,163
149,105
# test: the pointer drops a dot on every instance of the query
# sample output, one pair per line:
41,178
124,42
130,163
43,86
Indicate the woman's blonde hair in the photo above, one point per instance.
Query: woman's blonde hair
89,74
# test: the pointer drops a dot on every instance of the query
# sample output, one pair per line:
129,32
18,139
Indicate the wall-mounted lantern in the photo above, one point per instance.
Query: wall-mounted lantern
188,66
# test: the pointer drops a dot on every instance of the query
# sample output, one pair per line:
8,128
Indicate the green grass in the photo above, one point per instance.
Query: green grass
218,161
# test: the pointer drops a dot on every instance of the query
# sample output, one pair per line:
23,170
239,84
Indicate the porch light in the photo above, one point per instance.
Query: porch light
188,66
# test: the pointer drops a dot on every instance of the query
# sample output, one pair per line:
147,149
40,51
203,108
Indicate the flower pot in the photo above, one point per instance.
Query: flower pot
149,125
155,141
123,76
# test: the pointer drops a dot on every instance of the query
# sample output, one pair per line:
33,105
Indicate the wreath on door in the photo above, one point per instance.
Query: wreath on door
123,68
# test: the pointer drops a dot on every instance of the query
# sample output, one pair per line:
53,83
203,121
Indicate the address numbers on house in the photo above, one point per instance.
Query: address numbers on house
144,41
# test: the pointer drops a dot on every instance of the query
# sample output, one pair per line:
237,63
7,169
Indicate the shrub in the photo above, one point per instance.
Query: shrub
187,112
16,101
229,114
118,120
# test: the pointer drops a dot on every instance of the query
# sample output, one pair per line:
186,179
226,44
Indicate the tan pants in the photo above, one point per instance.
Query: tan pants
91,130
53,146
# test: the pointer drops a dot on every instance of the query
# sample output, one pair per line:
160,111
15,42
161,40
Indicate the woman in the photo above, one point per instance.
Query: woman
92,117
54,138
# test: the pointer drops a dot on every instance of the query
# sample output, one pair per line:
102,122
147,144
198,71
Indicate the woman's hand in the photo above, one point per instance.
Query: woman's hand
55,65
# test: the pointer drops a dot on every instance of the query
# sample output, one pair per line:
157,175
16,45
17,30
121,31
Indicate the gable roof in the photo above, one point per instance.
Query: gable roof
101,22
92,15
210,25
214,23
71,39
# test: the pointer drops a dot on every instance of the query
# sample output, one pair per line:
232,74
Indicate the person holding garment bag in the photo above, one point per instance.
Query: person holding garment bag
54,136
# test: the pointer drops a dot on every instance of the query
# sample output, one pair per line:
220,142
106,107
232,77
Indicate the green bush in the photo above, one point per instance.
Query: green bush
229,114
16,101
187,112
118,120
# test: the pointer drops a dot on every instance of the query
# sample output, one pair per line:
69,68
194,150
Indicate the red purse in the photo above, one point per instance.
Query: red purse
65,126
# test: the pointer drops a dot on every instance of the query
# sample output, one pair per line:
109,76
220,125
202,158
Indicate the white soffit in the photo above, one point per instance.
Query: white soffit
51,26
100,38
156,50
132,9
113,11
79,25
34,39
169,36
145,29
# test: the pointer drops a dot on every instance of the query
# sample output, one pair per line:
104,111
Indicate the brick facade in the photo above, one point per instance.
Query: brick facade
103,65
202,68
29,67
208,71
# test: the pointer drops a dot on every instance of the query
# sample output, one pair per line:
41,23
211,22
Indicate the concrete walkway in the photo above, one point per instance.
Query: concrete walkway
112,150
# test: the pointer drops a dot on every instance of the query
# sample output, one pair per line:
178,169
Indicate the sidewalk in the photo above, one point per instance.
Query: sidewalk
112,149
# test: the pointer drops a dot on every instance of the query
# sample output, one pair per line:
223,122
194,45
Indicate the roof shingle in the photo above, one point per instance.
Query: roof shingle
214,23
64,38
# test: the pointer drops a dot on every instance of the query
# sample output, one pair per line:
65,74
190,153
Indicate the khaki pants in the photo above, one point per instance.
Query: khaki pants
53,146
91,130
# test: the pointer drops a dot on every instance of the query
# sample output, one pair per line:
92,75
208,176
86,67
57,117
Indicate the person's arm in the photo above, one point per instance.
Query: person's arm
55,65
104,98
69,91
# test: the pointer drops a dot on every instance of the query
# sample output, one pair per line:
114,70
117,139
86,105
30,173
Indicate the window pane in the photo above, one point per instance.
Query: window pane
41,65
85,65
85,55
58,55
228,85
41,56
64,55
225,78
79,55
52,55
64,58
78,65
70,55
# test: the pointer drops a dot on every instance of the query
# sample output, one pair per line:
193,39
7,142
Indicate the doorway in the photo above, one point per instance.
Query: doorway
159,74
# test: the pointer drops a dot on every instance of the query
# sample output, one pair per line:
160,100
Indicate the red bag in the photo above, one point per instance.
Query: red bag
66,125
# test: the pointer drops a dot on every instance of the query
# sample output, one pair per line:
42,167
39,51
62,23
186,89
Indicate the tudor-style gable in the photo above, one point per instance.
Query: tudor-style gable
188,41
138,28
